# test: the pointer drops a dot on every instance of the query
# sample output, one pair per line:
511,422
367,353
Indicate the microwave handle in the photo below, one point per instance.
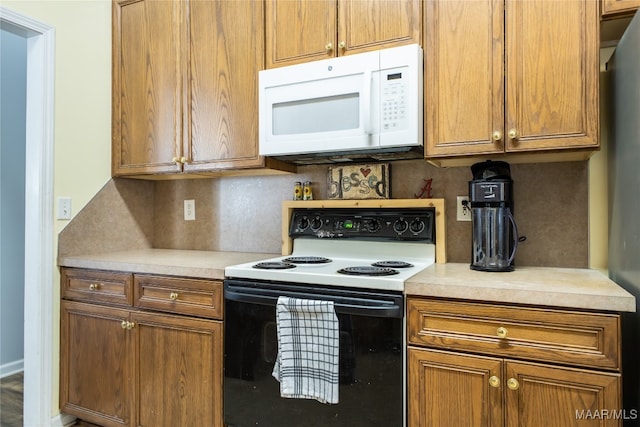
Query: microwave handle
366,103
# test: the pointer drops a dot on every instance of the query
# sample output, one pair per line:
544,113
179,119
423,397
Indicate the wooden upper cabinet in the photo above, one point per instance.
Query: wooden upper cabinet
552,74
225,51
365,25
306,30
299,31
619,7
464,76
147,76
508,76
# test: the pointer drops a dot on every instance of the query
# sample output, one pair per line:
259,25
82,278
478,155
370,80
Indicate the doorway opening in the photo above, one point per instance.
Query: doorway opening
39,251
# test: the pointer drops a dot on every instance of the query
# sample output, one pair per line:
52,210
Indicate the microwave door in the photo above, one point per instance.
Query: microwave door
324,114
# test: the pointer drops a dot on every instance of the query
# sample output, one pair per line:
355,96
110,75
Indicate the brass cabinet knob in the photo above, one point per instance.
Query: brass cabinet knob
497,135
342,44
502,332
328,47
513,384
173,296
94,286
183,160
494,381
130,325
513,134
124,324
175,159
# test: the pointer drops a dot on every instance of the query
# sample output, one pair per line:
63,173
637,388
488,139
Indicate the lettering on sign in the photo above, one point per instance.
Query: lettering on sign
359,182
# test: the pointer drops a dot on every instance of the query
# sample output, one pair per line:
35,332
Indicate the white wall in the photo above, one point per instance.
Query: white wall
82,112
13,63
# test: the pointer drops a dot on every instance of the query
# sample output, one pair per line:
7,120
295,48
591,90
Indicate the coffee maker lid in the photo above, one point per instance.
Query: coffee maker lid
490,169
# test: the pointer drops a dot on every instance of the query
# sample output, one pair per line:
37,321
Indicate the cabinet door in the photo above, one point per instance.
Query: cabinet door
552,74
299,31
147,101
225,54
453,390
619,7
464,78
365,25
94,364
178,366
561,397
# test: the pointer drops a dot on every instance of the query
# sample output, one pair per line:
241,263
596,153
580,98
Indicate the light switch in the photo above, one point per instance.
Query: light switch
64,208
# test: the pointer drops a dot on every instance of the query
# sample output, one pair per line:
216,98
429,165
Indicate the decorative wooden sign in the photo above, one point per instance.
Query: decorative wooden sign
359,181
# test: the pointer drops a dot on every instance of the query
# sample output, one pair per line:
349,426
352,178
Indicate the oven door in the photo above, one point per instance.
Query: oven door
371,354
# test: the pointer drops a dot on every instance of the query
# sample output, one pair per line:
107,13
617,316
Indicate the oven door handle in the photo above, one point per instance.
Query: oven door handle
371,307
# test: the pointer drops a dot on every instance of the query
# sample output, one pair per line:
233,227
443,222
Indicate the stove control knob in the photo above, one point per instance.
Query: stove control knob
373,225
416,226
303,223
400,226
316,223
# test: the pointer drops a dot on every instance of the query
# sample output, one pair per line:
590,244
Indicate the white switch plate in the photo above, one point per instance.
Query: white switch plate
189,210
463,208
64,208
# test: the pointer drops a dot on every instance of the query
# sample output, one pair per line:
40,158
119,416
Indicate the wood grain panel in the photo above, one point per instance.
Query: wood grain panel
94,364
560,395
581,339
178,370
195,297
226,51
552,73
464,78
98,286
298,31
147,107
619,7
372,24
449,389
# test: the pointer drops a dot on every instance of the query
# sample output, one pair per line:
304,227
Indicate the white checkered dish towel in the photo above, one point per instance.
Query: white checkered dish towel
307,365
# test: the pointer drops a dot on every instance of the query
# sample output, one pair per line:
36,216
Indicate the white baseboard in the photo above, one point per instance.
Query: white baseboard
11,368
63,420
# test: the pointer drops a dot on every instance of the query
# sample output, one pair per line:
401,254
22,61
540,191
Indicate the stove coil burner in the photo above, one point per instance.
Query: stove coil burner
307,260
368,270
274,265
392,264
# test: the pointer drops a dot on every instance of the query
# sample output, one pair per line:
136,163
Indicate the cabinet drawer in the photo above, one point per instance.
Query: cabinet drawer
559,336
196,297
96,286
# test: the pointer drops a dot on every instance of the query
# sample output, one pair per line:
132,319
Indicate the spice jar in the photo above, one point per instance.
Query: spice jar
297,191
307,192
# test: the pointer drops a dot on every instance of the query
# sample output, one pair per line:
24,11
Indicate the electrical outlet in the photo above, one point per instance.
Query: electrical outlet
189,210
463,208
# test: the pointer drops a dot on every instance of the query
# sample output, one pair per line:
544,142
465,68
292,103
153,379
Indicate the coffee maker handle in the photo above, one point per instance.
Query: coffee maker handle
515,236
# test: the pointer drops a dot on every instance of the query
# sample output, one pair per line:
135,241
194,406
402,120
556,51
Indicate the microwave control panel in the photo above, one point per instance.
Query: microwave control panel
394,89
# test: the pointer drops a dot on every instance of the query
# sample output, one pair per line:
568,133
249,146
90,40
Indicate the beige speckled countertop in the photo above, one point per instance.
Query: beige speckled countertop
201,264
558,287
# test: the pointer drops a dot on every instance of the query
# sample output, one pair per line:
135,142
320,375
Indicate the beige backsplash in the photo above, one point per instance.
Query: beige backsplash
243,213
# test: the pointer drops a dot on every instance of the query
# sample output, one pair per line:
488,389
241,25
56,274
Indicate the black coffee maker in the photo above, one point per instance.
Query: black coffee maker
495,234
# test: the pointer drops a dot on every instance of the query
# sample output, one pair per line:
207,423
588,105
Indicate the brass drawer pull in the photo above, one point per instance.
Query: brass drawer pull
124,324
502,332
94,286
173,296
494,381
513,384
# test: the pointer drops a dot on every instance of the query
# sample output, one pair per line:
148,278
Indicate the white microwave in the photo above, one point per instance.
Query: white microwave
363,105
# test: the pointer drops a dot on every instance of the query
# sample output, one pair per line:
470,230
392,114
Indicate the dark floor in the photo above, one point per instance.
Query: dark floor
11,390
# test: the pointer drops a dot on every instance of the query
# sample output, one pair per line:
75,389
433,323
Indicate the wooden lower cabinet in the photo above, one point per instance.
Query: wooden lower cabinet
122,367
95,368
177,375
482,364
